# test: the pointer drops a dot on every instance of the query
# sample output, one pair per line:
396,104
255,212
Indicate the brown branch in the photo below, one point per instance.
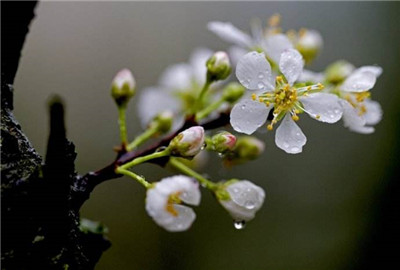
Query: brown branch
85,184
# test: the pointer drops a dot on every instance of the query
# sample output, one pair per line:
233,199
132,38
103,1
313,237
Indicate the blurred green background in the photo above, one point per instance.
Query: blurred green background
324,209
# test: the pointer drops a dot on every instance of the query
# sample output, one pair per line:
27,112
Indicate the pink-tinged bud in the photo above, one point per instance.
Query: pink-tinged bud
223,142
123,86
188,143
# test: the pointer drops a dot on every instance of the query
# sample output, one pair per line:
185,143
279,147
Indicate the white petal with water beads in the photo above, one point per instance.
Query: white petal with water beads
254,72
289,136
291,65
248,115
322,107
168,214
360,81
245,200
275,44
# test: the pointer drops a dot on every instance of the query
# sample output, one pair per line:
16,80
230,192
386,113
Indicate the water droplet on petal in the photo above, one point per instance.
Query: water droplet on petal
249,204
239,224
295,149
286,145
261,85
260,75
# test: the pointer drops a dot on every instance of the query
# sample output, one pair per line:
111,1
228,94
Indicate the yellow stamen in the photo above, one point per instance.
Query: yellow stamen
274,20
320,86
253,96
318,116
270,127
295,117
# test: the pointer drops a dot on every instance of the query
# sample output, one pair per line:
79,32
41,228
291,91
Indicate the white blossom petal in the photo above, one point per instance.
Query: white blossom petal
359,81
257,31
376,70
230,33
254,72
351,117
198,61
157,200
153,101
182,221
275,44
177,77
373,114
323,107
291,65
248,115
311,76
289,136
362,129
235,53
245,200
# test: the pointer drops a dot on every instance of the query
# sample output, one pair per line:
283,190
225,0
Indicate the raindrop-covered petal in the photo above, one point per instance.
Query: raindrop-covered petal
230,33
376,70
177,77
275,44
254,72
359,81
198,60
153,101
373,114
352,119
323,107
289,136
245,200
248,115
291,65
182,221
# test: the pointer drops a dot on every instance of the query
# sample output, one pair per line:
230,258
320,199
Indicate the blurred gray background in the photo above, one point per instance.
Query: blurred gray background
322,207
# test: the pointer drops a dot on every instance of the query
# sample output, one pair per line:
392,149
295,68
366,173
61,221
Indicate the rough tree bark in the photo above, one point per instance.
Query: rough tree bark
40,228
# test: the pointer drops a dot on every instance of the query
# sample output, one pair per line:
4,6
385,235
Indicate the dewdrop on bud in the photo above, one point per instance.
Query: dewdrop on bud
188,143
223,142
242,199
338,71
309,44
123,86
218,66
163,121
233,92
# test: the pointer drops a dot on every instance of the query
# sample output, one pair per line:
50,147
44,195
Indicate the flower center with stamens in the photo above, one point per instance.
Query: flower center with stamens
284,99
172,200
356,100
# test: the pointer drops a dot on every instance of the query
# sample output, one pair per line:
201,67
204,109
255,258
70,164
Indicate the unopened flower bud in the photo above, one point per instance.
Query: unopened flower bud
223,142
233,92
338,71
188,143
248,147
309,44
218,66
163,121
242,199
123,87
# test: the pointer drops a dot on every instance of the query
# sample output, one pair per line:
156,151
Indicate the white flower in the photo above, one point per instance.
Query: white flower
188,143
269,40
164,202
359,111
273,44
254,72
179,78
245,199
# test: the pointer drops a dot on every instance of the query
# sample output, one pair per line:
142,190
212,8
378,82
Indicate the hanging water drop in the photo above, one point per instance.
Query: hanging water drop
249,204
239,224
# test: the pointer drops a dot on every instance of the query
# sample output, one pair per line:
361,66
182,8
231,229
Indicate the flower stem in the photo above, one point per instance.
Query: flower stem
209,109
140,160
199,101
186,170
122,124
133,175
142,137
